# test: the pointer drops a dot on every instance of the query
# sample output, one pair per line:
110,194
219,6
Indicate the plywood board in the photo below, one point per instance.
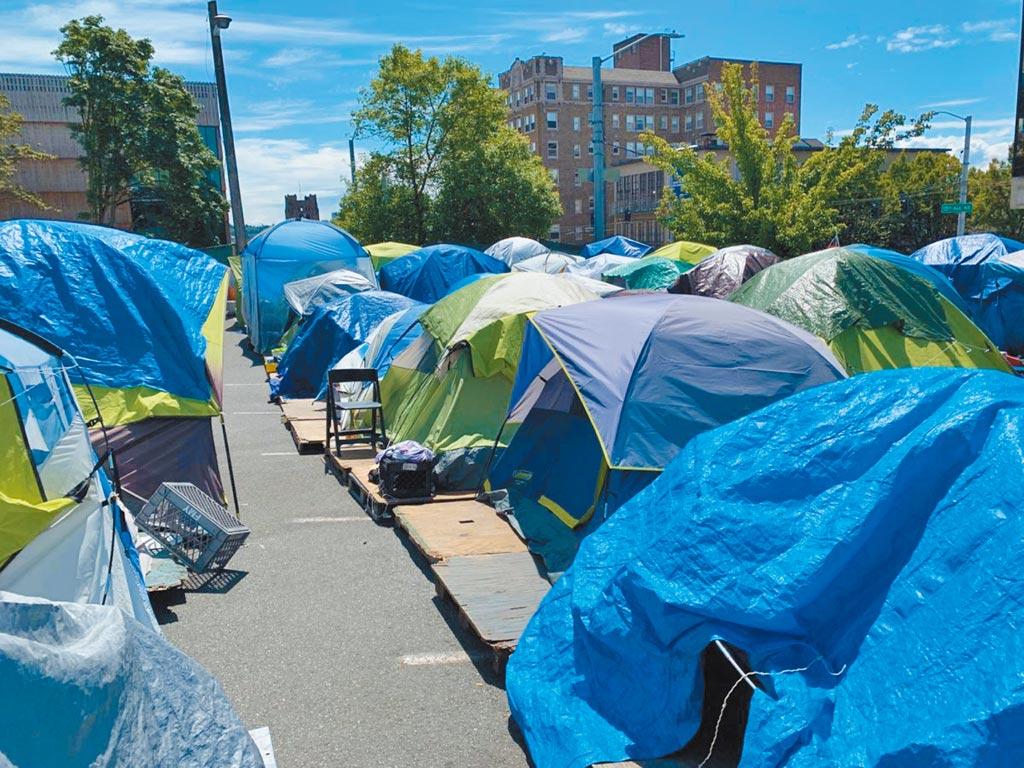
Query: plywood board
304,410
441,531
497,594
308,435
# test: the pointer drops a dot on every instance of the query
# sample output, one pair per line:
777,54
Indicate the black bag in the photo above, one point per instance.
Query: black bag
405,479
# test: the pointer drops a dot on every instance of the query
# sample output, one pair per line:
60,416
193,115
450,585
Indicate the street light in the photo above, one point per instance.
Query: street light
597,119
961,218
219,21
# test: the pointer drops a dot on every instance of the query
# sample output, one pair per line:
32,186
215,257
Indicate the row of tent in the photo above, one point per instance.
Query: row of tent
110,377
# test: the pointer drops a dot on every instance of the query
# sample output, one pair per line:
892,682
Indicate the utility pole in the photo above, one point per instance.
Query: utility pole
352,160
961,219
217,23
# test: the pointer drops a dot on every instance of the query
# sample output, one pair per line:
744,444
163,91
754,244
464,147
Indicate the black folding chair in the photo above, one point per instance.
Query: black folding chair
337,407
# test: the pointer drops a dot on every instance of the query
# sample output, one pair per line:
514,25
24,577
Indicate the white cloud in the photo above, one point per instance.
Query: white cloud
852,64
951,103
995,30
567,35
269,169
923,38
990,139
851,41
618,29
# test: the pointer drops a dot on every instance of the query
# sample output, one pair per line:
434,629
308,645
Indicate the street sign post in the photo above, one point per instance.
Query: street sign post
958,208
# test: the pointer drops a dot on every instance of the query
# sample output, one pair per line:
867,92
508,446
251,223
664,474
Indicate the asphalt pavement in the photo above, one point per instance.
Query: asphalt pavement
326,627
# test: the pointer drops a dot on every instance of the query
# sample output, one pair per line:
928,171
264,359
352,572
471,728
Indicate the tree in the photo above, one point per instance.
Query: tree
494,189
758,193
138,134
989,190
913,190
11,154
441,124
377,207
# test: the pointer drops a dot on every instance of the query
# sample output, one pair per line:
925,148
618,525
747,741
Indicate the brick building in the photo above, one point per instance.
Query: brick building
550,103
61,182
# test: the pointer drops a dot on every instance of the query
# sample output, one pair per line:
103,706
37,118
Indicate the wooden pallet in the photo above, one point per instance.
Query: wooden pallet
353,470
306,421
495,595
441,531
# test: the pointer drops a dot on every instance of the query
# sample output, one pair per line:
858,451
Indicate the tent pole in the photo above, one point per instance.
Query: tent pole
231,467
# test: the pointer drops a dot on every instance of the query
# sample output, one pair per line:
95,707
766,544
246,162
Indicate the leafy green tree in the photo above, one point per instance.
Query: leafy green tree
439,121
377,207
912,192
989,190
758,193
12,153
108,77
138,134
494,189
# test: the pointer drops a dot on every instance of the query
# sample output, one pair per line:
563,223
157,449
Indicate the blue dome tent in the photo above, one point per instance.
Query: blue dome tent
430,273
290,251
616,245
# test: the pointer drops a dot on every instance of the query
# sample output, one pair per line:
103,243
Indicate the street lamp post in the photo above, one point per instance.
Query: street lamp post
597,120
961,218
218,22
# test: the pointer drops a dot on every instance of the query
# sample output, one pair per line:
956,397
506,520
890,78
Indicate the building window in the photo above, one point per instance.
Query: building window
769,119
590,204
577,205
555,233
769,93
554,175
675,123
700,92
630,149
576,150
533,147
790,94
615,93
519,124
575,90
630,123
700,120
650,95
615,147
664,95
590,148
630,95
590,93
689,95
577,180
674,96
663,122
650,122
689,123
576,123
553,149
615,121
552,119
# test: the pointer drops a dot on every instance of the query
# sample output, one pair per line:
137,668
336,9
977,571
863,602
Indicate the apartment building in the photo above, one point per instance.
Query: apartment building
61,182
551,104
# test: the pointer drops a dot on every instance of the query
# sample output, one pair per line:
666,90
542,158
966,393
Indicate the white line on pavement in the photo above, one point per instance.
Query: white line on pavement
434,659
280,453
244,384
304,520
255,413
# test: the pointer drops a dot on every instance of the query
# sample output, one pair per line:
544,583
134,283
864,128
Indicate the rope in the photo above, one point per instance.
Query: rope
745,677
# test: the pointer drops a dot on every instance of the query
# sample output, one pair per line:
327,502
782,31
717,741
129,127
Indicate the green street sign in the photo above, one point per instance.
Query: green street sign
958,207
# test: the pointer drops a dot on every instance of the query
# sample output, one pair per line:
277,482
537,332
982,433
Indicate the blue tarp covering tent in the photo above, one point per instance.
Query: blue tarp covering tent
616,245
396,334
329,333
430,273
918,268
993,289
596,422
289,251
88,685
858,542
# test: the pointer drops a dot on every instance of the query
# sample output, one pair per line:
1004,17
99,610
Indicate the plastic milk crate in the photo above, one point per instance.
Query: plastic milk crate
192,526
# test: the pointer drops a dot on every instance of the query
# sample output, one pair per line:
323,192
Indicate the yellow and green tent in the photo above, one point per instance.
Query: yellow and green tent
386,252
682,250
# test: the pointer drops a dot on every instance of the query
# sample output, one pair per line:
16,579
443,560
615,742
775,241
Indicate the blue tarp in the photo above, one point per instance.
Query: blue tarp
918,268
290,251
617,245
329,333
88,685
867,532
403,331
993,290
120,321
430,273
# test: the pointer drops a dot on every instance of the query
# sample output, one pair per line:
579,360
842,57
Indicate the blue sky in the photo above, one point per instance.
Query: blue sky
294,69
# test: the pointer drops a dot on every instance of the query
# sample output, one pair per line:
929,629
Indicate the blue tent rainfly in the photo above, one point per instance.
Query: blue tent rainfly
430,274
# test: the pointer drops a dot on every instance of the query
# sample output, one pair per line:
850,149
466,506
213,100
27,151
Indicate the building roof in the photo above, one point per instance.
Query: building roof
615,76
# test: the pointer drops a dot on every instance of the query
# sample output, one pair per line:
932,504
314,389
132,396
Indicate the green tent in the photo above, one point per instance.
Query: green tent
873,314
383,253
450,389
654,274
682,250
